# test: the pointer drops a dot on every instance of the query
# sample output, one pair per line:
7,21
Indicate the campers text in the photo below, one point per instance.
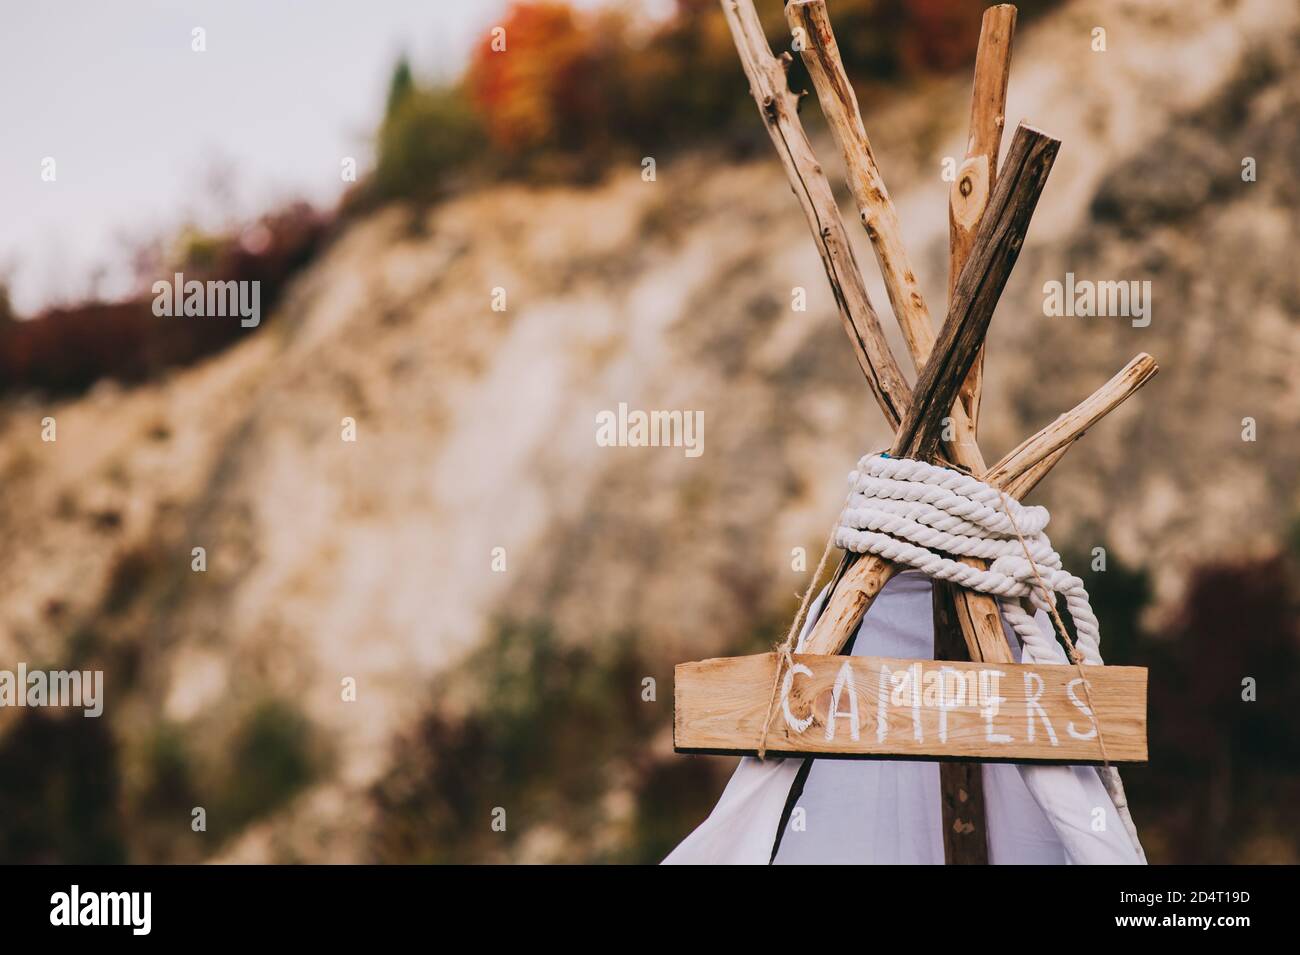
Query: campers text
911,691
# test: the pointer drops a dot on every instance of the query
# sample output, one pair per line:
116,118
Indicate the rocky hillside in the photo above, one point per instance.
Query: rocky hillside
376,561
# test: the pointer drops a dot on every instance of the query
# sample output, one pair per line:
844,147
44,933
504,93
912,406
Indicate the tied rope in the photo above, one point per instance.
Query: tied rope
914,513
908,511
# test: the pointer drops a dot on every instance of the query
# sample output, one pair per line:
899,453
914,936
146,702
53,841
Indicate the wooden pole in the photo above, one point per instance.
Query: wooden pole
997,247
977,176
1021,469
976,614
821,56
961,785
768,83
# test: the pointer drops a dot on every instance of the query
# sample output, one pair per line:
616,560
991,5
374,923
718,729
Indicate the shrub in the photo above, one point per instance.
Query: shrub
575,91
427,139
529,91
65,350
60,787
1223,760
273,757
557,736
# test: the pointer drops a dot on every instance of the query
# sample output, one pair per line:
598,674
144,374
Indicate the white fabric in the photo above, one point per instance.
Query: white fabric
741,830
885,811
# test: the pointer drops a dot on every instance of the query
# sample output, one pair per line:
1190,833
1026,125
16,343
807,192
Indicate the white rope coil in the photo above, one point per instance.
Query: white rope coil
914,513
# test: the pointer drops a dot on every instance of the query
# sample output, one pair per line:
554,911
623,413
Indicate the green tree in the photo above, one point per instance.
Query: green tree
401,86
428,137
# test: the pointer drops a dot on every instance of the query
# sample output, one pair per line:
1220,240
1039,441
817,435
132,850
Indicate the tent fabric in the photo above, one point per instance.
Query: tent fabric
888,811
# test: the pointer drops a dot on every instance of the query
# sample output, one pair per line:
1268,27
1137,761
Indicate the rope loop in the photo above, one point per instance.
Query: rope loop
924,516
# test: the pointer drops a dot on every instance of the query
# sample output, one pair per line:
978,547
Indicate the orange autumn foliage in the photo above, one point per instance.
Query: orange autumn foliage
554,93
528,79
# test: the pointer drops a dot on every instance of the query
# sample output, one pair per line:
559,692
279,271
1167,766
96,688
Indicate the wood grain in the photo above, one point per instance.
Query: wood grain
721,706
1017,472
779,107
976,614
977,175
1001,236
961,783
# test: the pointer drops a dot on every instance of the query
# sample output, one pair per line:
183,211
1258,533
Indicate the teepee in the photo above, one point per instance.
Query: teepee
928,705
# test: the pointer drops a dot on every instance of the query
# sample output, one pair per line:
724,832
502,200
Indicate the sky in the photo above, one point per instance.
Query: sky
147,134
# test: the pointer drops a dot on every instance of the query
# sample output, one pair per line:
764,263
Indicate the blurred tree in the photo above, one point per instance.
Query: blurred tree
557,735
59,791
521,94
65,350
1224,739
574,91
429,136
400,87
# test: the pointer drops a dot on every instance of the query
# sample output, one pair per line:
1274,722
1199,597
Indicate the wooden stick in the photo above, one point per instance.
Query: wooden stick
768,83
976,617
977,176
961,784
859,583
982,280
977,614
1001,236
1019,471
821,56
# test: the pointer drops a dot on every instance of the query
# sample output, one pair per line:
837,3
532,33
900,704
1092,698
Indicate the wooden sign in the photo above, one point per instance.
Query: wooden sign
877,707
